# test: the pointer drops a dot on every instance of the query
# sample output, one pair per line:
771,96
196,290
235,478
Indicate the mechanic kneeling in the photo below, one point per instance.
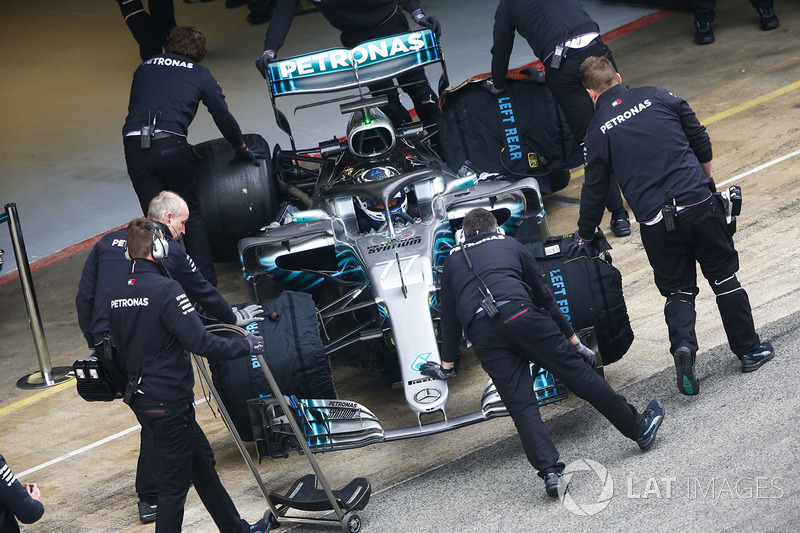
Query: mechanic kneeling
523,329
154,327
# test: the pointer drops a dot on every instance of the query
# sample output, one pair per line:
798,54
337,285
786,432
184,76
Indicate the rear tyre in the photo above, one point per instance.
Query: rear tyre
556,180
236,200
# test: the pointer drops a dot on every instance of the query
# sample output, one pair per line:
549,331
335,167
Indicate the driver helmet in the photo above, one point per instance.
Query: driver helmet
376,213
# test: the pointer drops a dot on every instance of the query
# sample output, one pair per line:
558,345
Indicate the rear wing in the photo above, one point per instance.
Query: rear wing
339,69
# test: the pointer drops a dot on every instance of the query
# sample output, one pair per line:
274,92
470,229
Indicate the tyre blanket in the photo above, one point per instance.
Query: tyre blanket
521,131
589,292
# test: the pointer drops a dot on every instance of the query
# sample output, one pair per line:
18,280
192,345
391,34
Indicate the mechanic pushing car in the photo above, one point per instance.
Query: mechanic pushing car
104,267
486,283
359,21
561,35
165,93
653,144
154,326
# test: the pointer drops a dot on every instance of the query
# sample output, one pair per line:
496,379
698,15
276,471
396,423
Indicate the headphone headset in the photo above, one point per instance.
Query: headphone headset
160,246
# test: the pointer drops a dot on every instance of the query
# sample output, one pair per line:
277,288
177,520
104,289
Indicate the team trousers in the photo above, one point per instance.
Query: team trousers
702,238
149,29
704,9
578,108
169,164
146,479
521,334
184,457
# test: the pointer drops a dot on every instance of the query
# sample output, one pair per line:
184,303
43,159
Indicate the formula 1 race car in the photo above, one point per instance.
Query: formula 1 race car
363,223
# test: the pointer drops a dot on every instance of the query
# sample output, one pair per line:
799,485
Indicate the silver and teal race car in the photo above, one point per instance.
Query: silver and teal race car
364,223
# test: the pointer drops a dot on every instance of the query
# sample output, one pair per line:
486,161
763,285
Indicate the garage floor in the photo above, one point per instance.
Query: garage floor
65,78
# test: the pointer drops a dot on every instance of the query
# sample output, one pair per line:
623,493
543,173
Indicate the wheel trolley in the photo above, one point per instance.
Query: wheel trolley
310,493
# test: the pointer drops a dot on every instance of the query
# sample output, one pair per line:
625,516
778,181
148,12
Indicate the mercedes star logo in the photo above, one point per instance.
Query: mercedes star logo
427,395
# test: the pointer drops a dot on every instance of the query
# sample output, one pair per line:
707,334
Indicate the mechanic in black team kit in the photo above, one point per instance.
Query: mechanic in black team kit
561,35
17,501
359,21
660,154
104,268
165,93
154,326
528,327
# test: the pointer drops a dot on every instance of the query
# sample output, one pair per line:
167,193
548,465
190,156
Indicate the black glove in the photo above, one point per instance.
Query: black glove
248,156
435,370
248,314
711,185
489,87
578,246
256,343
585,353
267,57
428,21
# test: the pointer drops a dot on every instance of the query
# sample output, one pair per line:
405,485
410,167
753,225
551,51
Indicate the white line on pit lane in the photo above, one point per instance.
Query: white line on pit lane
87,448
726,182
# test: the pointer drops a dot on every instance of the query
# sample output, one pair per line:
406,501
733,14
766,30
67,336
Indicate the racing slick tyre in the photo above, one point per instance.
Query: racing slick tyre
295,355
556,180
236,200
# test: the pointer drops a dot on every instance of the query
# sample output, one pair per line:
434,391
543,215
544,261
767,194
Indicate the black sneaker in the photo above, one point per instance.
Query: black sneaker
753,361
653,416
769,20
621,227
684,367
703,32
262,526
552,482
147,512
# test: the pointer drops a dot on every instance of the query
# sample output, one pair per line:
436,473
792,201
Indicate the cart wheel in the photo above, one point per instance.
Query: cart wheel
351,523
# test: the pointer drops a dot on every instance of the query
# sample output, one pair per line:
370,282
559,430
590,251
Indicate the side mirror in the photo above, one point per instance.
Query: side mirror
460,184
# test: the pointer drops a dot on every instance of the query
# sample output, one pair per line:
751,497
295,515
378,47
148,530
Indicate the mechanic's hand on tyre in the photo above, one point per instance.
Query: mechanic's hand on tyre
534,75
267,57
435,370
489,87
586,354
249,314
248,156
428,21
256,343
578,246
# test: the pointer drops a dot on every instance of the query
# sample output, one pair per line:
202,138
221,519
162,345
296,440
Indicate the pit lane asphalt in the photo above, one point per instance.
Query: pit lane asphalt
725,460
